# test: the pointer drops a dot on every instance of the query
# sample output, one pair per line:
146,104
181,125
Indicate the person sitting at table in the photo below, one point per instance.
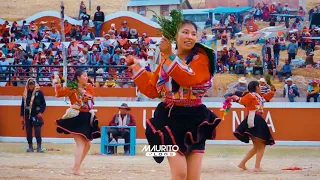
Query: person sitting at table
258,66
123,118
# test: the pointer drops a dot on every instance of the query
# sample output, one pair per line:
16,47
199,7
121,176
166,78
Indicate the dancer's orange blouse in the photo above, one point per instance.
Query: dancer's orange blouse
84,99
194,79
251,102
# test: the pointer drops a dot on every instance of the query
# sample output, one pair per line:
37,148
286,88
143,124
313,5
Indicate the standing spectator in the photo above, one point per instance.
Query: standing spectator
286,71
290,90
292,50
123,118
276,51
301,13
85,16
82,7
33,106
312,10
98,20
264,87
313,90
279,8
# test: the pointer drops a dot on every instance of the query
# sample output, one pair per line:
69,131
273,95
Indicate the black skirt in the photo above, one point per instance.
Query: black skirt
186,127
260,131
80,125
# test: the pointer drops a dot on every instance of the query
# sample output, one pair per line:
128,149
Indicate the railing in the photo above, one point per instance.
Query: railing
23,72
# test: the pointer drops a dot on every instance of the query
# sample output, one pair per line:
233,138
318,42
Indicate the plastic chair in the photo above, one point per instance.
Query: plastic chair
105,144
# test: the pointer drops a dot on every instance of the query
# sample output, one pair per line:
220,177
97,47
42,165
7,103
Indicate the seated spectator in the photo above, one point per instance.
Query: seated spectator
105,55
95,57
122,34
133,34
113,28
290,90
313,90
249,68
240,67
309,60
241,86
272,68
122,119
87,35
116,56
258,66
54,35
110,82
264,87
220,66
286,70
125,27
232,61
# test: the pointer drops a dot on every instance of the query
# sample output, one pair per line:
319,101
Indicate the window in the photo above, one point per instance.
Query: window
141,10
196,17
164,10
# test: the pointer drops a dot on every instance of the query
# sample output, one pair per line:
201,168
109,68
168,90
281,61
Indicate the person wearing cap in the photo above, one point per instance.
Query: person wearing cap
264,87
95,57
105,55
241,86
313,90
116,56
133,34
290,90
125,27
286,70
55,35
123,118
98,20
33,105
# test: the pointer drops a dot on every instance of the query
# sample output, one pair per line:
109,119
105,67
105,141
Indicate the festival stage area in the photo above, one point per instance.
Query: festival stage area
220,163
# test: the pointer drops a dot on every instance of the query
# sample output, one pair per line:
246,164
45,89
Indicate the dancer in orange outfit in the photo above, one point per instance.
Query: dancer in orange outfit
181,119
79,119
254,126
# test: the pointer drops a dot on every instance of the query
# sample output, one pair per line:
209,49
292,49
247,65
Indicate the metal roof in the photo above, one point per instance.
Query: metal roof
152,2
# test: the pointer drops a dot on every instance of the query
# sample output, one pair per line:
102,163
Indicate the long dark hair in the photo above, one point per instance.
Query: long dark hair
252,86
193,52
77,74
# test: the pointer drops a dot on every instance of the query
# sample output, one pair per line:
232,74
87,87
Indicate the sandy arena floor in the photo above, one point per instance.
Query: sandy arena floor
220,163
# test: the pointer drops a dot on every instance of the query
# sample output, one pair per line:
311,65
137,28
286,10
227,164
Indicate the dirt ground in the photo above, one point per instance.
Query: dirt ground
220,163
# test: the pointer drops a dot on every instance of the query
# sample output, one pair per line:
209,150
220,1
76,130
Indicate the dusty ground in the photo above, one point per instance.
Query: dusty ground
219,164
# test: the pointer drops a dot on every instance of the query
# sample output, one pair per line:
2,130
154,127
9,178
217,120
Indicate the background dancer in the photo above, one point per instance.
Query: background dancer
79,119
181,119
254,126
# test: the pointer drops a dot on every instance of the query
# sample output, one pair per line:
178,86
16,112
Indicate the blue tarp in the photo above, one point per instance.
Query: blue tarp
229,10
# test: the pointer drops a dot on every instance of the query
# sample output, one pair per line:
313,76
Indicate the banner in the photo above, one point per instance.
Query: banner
291,124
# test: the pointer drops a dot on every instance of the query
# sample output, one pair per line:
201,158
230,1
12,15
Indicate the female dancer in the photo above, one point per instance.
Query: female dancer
79,120
254,126
181,119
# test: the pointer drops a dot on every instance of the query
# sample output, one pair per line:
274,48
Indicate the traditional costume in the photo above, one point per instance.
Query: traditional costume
254,124
79,118
181,119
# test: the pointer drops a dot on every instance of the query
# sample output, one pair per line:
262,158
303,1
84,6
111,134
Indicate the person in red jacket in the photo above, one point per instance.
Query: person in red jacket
123,118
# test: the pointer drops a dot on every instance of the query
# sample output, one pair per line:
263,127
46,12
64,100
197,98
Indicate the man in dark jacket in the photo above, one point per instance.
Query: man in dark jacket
33,106
122,119
276,52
